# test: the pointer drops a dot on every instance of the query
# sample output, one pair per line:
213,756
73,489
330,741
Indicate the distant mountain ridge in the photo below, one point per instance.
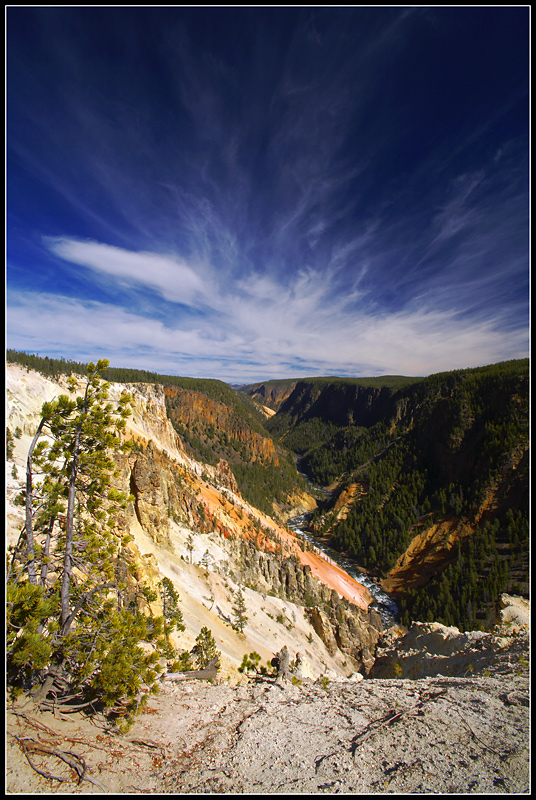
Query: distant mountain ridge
274,393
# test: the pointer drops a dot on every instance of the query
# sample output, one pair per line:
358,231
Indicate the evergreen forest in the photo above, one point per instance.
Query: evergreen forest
440,448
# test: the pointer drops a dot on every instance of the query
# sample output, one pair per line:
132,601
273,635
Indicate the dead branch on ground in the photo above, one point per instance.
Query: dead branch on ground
391,716
210,672
73,760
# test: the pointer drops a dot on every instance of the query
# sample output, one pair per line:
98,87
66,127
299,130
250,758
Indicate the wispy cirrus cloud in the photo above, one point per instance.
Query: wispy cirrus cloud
251,328
171,277
247,193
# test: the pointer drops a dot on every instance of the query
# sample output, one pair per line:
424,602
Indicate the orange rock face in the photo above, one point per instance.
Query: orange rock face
326,571
335,577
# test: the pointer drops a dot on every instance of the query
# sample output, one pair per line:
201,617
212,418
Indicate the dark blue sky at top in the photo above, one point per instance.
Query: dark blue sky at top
249,193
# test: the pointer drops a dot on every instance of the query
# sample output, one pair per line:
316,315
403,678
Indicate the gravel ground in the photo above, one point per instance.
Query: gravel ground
434,735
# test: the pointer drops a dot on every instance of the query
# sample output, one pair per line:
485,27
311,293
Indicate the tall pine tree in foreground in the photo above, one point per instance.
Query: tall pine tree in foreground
77,614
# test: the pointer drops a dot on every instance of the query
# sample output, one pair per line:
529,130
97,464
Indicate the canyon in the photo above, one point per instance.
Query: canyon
176,497
366,708
420,471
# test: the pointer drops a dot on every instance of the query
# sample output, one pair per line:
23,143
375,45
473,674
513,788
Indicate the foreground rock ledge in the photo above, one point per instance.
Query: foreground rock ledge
434,735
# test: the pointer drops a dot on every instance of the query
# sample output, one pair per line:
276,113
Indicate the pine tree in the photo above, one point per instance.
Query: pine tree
190,545
206,559
239,610
170,606
10,445
204,650
74,604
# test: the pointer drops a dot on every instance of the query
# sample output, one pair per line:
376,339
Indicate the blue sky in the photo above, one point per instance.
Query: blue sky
254,193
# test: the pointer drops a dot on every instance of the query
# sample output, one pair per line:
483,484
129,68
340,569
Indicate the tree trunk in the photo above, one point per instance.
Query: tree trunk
30,545
69,534
69,521
55,673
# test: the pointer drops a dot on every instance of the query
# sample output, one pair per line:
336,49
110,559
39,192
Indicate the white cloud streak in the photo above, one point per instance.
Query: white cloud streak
171,277
251,329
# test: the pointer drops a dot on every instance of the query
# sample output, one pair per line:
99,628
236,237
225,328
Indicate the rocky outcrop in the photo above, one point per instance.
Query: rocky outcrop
357,636
429,551
514,612
225,477
270,393
341,625
429,649
321,623
156,484
150,421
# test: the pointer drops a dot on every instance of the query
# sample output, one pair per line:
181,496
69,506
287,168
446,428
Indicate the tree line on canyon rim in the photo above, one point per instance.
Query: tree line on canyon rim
262,479
421,451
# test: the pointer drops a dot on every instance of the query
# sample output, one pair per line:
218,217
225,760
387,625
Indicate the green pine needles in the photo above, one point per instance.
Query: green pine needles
78,619
170,606
204,650
239,611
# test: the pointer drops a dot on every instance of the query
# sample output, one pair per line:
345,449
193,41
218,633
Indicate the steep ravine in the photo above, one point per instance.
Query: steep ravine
427,474
301,524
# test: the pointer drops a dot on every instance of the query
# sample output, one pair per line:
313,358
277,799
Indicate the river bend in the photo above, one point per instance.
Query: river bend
385,605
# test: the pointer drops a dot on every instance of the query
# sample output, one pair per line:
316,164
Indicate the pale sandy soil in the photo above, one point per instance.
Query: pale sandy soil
436,735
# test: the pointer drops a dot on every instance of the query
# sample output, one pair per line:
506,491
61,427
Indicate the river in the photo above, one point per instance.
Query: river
385,605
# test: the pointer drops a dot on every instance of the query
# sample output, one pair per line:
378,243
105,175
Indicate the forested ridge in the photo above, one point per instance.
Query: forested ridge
226,429
215,389
432,451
